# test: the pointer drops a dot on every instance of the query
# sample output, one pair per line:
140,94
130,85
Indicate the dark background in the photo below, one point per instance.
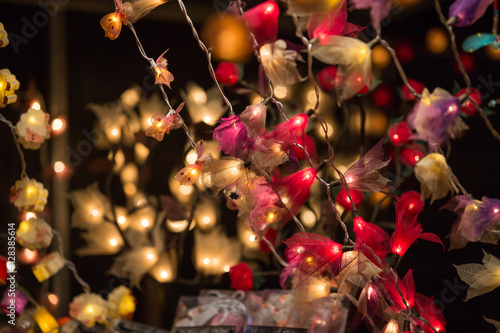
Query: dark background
99,70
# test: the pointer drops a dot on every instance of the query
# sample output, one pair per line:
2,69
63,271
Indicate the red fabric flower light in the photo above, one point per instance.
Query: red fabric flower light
343,199
309,145
241,277
373,236
412,154
407,287
417,86
399,133
429,310
327,78
408,230
383,95
272,149
262,21
228,73
3,270
294,191
322,25
404,52
468,107
411,203
309,254
270,234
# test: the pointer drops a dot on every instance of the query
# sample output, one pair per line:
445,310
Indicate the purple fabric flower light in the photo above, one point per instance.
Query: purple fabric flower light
379,9
433,117
476,220
468,11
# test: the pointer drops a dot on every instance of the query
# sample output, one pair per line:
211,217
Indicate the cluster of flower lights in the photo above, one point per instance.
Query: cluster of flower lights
250,174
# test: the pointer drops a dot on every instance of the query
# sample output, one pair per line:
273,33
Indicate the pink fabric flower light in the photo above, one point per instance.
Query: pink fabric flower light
236,134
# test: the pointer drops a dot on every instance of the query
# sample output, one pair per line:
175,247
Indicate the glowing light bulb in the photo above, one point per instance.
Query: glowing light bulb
206,261
150,256
206,219
252,238
191,157
164,274
370,292
309,260
113,242
121,219
30,255
185,190
270,217
89,309
114,132
53,299
59,167
94,212
496,210
57,125
226,268
30,215
36,106
269,9
145,223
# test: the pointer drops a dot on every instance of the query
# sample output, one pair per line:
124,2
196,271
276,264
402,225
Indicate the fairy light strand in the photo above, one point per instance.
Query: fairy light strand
307,43
255,50
207,53
18,146
454,48
164,94
71,266
399,67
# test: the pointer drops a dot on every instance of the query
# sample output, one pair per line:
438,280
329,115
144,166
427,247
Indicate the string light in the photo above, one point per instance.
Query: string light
58,125
116,133
59,167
